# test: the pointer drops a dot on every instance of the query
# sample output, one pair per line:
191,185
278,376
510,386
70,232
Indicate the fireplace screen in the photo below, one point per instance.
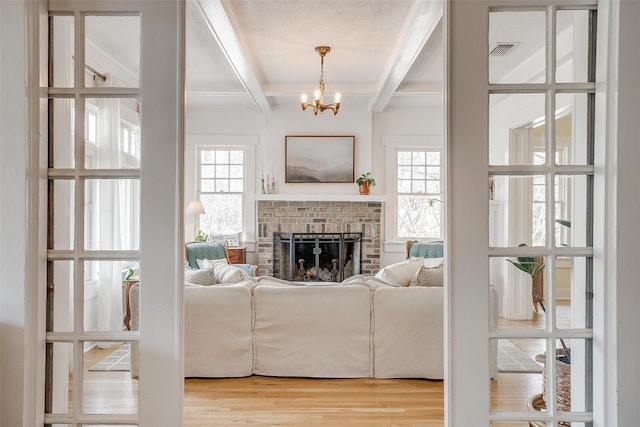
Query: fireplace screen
318,257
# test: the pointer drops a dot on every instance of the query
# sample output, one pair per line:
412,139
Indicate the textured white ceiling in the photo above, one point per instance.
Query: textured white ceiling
259,54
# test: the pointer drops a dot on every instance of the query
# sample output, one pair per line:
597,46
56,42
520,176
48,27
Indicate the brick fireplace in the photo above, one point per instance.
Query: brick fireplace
319,217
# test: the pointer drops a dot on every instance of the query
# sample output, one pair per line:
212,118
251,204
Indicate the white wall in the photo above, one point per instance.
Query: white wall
231,126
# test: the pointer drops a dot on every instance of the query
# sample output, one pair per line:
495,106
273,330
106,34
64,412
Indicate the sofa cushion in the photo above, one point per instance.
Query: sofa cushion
208,263
400,273
408,332
217,332
428,277
203,276
228,273
312,331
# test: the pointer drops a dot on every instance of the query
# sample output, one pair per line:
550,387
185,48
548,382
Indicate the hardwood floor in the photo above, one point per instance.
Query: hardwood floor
313,402
256,400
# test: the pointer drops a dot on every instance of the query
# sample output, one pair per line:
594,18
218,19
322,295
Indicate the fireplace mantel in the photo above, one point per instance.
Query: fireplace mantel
320,198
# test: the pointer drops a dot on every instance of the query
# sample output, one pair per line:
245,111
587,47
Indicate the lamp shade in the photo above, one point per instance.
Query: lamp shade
195,207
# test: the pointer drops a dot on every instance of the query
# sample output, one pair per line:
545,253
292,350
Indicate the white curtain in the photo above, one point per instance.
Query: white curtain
111,212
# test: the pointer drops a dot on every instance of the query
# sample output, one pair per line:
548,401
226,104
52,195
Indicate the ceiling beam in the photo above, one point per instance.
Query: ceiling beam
222,30
420,23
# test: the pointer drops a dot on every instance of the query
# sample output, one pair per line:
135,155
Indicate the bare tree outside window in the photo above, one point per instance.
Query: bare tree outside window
220,189
419,192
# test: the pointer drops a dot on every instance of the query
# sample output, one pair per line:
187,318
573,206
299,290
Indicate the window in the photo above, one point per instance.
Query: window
220,189
419,194
130,139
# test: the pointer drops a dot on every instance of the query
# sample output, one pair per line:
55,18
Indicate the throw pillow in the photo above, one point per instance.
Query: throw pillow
228,273
400,273
202,277
208,263
433,262
428,277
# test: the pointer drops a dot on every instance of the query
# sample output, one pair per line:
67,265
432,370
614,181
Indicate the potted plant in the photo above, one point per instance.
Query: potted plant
365,182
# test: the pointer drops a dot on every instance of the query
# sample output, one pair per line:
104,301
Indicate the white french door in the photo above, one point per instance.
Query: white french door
114,66
549,71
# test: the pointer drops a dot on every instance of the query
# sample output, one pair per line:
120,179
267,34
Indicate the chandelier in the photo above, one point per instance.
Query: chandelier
318,94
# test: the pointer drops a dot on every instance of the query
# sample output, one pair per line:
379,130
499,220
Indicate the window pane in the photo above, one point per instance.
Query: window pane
222,157
236,157
404,172
404,157
123,46
109,365
433,158
105,299
572,45
62,154
62,28
207,185
60,357
418,172
433,187
105,145
112,214
222,185
404,186
208,171
516,216
572,307
519,281
419,158
235,185
236,171
418,187
571,211
572,132
224,213
433,173
222,171
515,133
207,156
63,195
60,282
414,218
519,374
525,61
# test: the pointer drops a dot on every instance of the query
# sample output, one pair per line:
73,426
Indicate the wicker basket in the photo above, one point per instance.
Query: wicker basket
536,403
563,383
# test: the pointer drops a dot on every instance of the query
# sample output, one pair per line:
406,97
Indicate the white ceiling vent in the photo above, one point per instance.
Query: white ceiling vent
502,49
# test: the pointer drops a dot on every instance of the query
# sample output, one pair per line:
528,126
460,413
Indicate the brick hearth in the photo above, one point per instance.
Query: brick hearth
319,217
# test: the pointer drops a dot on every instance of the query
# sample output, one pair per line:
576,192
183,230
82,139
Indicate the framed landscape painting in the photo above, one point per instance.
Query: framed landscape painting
327,159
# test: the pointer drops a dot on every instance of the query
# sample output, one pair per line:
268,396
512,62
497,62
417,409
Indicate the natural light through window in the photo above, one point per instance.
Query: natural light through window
419,194
220,189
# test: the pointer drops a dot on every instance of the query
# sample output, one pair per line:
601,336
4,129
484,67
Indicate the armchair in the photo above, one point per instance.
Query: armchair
194,251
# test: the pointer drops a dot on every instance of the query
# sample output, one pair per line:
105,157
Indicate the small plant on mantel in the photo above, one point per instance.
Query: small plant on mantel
365,182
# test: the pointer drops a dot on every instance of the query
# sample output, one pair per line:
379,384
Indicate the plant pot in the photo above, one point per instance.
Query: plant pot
364,188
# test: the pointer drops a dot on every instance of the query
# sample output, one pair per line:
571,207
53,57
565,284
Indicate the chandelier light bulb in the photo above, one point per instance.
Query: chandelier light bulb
303,98
337,97
316,95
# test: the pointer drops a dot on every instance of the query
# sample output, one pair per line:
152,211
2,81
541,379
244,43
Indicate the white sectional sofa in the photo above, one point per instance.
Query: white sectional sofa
268,327
386,326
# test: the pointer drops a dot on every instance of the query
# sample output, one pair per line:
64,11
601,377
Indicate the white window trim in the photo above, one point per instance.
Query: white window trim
243,193
193,142
391,144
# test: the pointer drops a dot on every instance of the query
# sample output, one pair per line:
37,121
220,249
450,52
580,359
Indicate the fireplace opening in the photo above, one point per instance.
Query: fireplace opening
316,257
